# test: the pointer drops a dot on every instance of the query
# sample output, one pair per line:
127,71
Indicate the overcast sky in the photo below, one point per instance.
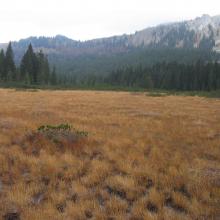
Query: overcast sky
88,19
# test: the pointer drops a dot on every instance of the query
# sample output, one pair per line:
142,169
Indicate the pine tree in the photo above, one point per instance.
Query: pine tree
34,67
41,58
2,61
44,69
29,67
9,65
54,76
217,75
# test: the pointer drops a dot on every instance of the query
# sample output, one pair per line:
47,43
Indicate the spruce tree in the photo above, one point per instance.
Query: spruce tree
29,67
46,71
54,76
9,65
2,61
40,57
43,68
34,67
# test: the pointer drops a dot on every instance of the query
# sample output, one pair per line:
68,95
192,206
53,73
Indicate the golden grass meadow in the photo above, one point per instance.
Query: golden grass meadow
145,157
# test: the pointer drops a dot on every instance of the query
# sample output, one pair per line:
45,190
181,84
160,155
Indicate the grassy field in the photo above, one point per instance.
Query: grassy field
145,157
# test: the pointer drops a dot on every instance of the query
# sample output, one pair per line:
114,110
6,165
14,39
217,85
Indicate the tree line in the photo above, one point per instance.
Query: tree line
198,76
33,69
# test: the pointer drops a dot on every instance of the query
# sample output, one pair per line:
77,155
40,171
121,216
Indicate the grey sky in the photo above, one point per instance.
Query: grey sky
88,19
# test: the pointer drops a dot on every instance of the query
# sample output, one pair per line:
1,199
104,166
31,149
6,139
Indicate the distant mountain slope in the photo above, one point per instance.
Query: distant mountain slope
70,56
202,32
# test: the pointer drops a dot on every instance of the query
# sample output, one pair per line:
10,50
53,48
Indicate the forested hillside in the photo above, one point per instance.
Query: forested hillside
180,56
184,42
198,75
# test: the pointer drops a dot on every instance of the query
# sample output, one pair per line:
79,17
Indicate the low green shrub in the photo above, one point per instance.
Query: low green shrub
61,127
64,136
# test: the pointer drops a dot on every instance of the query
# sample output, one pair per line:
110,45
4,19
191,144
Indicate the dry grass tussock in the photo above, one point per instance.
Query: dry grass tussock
144,158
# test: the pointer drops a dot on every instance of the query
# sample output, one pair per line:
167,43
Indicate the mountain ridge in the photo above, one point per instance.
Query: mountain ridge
190,34
176,41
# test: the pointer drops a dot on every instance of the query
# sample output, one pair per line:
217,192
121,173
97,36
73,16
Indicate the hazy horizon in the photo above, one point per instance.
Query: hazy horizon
86,20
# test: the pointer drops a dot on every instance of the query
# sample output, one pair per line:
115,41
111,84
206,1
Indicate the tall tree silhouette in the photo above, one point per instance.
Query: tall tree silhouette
29,66
9,65
53,76
34,68
2,61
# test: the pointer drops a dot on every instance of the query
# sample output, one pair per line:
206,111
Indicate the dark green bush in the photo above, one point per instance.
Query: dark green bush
53,131
61,127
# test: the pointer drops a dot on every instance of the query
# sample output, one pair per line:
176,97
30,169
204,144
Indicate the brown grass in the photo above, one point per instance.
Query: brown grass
145,157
